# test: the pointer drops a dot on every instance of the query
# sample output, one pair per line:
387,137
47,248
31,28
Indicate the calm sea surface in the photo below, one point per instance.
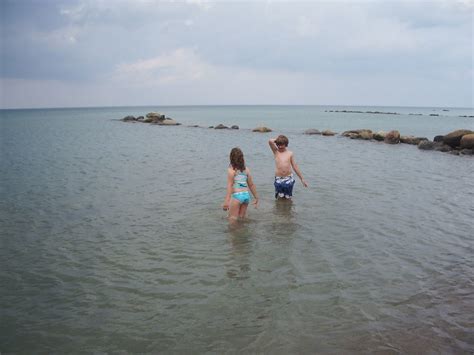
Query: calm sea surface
113,240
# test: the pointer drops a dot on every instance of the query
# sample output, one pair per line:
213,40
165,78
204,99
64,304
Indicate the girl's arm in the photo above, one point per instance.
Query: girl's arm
252,188
297,170
230,181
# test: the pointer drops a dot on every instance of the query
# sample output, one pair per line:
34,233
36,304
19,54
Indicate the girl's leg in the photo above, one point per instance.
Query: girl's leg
234,209
243,210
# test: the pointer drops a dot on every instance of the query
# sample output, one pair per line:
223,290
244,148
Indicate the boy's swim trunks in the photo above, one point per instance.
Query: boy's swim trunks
284,186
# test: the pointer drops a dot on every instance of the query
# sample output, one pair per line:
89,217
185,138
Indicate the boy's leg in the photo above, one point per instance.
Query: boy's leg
291,183
276,184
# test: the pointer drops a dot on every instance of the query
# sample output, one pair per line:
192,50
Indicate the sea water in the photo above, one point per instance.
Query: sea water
113,238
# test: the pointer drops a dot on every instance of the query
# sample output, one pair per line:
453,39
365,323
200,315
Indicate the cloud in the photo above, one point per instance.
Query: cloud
196,48
180,65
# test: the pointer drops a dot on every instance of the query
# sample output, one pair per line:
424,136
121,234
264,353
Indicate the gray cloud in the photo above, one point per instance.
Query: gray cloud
78,44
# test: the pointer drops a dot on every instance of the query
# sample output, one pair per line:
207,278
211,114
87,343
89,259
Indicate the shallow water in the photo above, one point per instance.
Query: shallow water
113,239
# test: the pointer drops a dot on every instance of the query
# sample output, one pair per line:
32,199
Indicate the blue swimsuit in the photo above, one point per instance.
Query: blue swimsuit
240,182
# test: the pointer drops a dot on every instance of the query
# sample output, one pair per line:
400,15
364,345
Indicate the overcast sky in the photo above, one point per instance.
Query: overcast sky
119,53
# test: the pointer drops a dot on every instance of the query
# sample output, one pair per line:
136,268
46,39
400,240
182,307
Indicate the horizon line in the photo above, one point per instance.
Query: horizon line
225,105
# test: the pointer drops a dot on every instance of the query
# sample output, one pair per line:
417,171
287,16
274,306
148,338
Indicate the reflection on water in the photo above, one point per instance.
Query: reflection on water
284,209
284,221
240,242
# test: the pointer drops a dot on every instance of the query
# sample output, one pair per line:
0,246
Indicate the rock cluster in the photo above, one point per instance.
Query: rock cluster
153,118
457,142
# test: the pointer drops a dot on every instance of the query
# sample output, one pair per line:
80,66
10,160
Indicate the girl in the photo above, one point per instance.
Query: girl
239,181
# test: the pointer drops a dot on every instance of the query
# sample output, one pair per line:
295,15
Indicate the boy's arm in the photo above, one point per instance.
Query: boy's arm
272,145
230,181
252,188
297,170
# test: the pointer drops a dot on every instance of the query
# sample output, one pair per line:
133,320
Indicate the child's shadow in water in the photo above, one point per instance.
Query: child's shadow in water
284,208
240,240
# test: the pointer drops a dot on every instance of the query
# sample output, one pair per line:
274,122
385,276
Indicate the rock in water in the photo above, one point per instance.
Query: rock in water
412,140
262,129
379,136
467,141
168,122
312,131
392,137
328,132
426,145
453,139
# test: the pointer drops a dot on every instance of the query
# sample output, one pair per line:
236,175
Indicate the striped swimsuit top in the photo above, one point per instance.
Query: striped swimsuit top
240,180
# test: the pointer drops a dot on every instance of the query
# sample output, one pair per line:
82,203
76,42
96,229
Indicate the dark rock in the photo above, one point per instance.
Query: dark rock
392,137
426,145
220,126
140,118
412,140
441,147
467,152
438,139
453,139
379,136
129,118
234,127
211,127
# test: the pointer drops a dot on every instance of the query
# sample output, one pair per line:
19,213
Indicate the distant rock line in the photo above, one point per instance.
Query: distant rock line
388,113
373,112
459,142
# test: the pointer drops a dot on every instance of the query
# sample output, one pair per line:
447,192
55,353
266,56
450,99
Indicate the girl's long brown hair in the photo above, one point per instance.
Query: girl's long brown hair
237,159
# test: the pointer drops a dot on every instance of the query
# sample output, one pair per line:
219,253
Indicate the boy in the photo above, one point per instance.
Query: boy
284,162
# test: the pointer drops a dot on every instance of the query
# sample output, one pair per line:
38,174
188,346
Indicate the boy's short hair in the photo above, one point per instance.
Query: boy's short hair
281,140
